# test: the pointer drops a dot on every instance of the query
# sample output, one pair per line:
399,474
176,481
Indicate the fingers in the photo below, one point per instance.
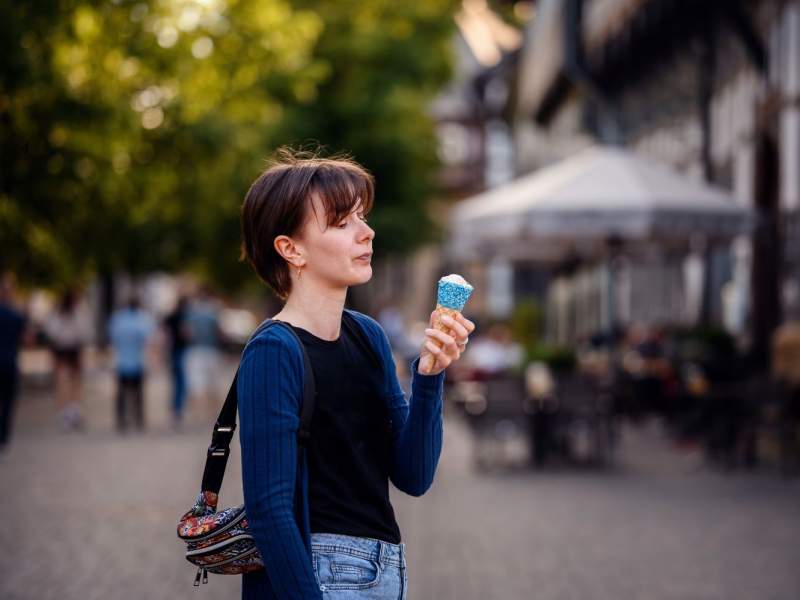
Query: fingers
459,321
466,323
433,348
448,341
456,328
441,358
447,347
445,351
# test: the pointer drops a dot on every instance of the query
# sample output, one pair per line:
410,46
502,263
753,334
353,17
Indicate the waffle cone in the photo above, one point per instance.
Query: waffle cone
427,360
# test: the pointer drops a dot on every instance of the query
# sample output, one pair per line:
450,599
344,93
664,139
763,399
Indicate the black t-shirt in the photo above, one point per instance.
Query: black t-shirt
175,324
349,454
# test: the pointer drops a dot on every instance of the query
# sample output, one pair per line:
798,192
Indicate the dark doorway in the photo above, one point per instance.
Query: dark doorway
767,255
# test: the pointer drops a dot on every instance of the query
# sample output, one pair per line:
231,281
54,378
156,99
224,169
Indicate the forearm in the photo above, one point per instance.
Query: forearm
418,443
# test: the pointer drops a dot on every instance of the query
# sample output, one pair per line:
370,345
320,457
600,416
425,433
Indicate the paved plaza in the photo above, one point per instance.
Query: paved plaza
92,516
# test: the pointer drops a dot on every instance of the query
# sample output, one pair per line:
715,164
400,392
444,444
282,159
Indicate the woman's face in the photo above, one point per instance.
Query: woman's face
339,255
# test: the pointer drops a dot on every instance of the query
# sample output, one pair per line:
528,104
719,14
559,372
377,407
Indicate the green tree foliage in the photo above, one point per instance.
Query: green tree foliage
386,61
130,130
526,323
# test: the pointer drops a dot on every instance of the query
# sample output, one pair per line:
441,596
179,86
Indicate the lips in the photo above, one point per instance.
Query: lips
367,256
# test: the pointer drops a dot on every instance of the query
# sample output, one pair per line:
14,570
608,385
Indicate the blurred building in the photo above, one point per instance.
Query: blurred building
475,143
709,88
474,137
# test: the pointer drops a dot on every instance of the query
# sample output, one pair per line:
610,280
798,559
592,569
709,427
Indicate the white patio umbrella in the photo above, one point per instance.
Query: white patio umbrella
599,193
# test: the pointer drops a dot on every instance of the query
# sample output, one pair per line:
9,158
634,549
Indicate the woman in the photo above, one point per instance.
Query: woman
68,331
304,231
178,334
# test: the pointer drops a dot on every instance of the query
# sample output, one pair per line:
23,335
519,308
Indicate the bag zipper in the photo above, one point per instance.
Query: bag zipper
217,546
197,577
253,550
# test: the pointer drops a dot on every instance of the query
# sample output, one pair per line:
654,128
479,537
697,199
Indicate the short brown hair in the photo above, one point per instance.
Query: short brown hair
278,201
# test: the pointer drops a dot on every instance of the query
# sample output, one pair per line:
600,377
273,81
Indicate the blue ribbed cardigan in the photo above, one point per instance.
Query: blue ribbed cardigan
270,390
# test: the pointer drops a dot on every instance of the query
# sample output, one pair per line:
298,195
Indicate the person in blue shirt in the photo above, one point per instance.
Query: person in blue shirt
130,330
202,356
325,527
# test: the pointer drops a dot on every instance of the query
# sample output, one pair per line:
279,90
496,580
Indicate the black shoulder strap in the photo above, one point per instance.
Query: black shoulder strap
219,450
357,331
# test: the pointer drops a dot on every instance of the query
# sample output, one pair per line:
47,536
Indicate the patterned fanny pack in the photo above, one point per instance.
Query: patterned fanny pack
219,542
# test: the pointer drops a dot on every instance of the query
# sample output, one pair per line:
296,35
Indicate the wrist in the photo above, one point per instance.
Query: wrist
416,369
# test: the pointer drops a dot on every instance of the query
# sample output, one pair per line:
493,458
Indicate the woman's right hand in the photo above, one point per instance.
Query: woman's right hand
440,348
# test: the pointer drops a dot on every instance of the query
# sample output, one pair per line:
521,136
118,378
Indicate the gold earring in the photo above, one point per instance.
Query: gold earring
299,271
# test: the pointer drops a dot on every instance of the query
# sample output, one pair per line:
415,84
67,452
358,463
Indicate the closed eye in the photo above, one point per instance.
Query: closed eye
343,224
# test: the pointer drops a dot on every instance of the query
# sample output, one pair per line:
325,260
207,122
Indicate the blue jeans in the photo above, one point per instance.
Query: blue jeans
354,568
178,382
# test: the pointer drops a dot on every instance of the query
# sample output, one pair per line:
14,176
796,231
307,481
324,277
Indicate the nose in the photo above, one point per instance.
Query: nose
367,234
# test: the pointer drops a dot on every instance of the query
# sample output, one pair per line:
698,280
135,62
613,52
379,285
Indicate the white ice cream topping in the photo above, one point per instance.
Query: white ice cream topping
457,279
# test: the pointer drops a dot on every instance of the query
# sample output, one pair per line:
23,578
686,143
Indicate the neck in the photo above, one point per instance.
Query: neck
315,308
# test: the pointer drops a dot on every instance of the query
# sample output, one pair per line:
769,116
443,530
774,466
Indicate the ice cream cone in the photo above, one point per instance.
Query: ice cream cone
453,293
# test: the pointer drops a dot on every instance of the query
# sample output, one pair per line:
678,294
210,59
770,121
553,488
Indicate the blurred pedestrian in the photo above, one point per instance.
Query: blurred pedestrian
202,358
786,353
67,332
177,330
391,319
12,327
495,353
130,330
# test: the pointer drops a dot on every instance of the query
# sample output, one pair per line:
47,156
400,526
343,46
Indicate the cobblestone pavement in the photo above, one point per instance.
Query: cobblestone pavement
93,515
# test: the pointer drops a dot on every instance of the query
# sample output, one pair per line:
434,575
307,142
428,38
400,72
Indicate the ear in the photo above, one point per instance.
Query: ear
290,250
